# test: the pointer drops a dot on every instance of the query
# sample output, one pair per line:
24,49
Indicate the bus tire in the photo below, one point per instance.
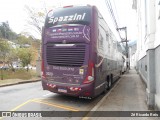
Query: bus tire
121,72
111,79
105,87
109,83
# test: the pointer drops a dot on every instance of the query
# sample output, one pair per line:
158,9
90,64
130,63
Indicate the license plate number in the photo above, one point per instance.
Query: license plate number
62,90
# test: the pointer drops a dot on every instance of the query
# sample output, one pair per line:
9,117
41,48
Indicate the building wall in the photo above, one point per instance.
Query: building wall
157,56
157,77
148,49
142,64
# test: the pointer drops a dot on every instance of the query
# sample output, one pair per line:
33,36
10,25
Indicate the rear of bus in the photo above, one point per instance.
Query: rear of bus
66,49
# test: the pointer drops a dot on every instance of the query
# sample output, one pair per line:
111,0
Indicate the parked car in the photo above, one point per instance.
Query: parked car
30,67
17,67
4,67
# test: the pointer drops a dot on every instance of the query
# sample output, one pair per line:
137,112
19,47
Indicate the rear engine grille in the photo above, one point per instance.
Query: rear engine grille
65,56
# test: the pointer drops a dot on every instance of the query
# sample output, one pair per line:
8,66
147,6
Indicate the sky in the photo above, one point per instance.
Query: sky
14,12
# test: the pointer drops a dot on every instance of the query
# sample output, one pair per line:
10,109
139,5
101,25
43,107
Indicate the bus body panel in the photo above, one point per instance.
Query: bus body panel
73,52
73,72
86,89
69,33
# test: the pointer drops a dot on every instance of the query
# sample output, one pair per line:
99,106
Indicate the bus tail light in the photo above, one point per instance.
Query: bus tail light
42,70
90,75
75,88
51,85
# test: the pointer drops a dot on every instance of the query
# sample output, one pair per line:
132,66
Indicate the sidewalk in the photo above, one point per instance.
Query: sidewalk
127,95
10,82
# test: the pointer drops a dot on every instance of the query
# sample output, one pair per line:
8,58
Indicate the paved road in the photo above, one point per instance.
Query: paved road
128,95
31,97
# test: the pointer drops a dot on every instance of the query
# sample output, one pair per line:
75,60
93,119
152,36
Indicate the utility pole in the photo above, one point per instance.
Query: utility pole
127,49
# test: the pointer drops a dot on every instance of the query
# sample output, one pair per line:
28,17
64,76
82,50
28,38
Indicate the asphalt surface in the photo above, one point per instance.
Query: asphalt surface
31,97
128,95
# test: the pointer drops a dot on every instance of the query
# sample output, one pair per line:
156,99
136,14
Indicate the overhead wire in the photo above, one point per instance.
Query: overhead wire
109,5
110,8
117,16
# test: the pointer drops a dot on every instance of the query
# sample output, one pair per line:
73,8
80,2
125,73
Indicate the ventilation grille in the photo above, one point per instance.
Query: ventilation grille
65,56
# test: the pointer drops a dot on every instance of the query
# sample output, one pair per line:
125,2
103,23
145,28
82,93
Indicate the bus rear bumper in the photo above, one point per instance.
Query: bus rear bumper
82,91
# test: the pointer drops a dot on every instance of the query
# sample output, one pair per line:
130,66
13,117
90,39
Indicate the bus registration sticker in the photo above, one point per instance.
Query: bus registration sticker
62,90
81,71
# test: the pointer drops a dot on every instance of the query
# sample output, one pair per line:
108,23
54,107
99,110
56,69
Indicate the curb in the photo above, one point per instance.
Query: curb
22,82
100,102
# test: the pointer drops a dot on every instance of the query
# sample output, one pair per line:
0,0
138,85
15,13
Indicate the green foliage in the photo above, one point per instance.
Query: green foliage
25,55
21,74
4,46
22,40
4,50
12,57
6,32
1,36
9,54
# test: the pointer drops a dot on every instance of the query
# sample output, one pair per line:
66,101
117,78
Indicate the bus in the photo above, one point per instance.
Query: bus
80,55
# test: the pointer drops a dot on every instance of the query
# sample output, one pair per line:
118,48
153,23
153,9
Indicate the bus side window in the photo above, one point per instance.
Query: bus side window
100,39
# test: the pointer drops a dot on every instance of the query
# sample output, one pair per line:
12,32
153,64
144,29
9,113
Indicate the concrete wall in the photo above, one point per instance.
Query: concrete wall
157,56
142,64
151,89
157,77
148,49
149,69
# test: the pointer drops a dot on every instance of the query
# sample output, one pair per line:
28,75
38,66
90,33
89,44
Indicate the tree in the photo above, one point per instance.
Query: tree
26,56
12,57
35,19
4,51
12,35
1,36
4,28
6,32
23,40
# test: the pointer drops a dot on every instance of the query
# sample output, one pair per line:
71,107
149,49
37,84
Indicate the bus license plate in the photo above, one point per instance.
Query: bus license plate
62,90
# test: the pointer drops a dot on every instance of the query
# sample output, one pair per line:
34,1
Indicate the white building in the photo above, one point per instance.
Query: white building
148,48
132,55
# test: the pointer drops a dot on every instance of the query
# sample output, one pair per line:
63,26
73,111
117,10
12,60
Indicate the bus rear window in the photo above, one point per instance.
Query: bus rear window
69,15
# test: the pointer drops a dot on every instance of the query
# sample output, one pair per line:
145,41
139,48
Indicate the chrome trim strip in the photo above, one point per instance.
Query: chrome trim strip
100,85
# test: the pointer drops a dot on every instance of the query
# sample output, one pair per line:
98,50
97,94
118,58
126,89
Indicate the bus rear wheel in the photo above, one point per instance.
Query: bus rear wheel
109,84
105,87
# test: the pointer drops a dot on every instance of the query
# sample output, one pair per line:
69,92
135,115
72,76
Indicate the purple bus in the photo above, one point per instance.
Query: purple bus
80,54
